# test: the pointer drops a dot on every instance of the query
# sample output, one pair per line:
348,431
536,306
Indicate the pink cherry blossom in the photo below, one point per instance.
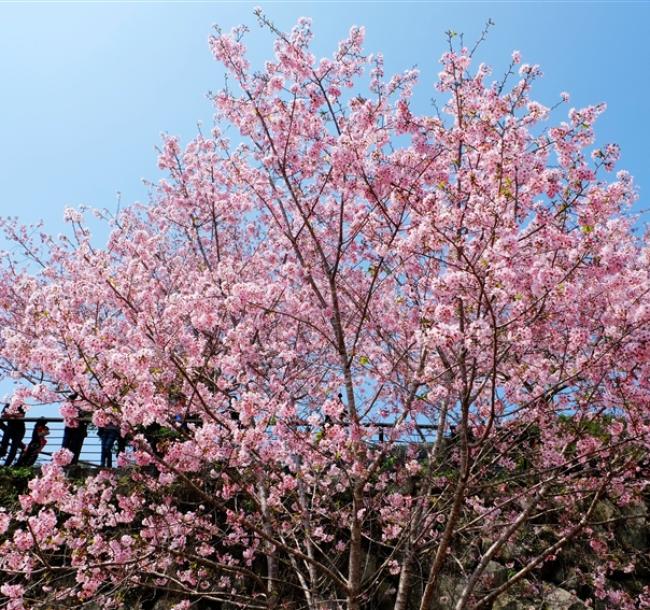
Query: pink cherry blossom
347,341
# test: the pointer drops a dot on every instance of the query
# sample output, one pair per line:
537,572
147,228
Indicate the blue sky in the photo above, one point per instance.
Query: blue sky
87,88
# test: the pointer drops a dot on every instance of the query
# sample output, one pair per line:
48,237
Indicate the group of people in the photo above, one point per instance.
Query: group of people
13,427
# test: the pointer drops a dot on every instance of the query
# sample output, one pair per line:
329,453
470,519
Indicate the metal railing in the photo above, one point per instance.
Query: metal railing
92,448
91,451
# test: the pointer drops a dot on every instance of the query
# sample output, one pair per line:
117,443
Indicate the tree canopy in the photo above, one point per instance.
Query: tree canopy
351,346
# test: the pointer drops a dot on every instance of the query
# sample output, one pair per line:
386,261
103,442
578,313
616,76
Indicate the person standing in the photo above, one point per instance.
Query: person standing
14,432
108,435
30,454
73,438
75,432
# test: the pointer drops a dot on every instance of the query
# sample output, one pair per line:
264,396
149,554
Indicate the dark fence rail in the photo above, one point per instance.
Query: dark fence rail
91,451
92,447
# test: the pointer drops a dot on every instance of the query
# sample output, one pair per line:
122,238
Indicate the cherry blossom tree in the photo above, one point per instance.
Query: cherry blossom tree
353,348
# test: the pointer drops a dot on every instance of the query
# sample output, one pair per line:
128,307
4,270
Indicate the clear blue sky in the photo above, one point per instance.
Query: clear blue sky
87,88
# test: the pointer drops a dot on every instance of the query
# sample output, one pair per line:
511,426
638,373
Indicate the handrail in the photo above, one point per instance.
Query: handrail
92,446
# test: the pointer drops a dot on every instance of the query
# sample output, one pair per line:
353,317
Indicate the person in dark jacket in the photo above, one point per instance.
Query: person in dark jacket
73,438
14,432
74,435
108,435
30,454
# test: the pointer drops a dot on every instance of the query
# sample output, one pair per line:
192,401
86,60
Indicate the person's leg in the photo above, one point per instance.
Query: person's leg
13,450
111,438
108,441
74,445
68,435
4,444
28,456
21,458
105,452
